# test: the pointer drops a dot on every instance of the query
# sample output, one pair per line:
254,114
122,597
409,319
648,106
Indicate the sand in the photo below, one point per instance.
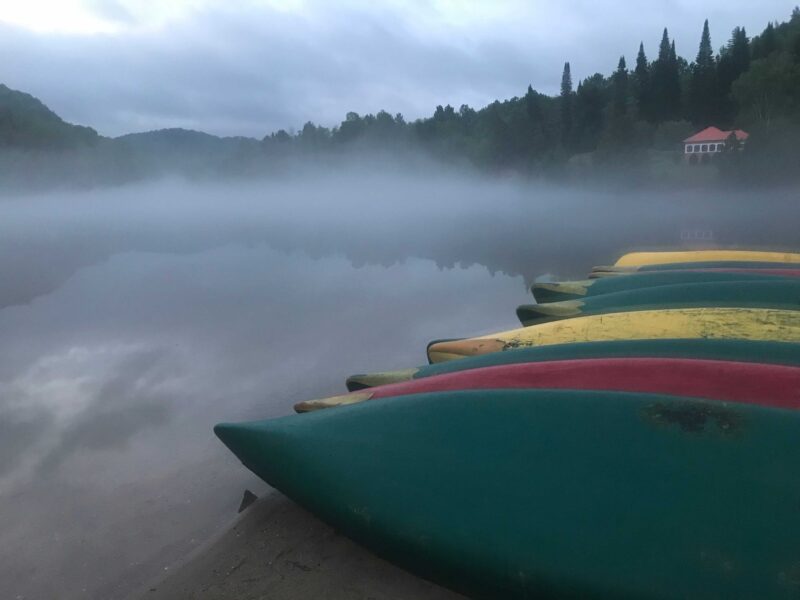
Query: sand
277,550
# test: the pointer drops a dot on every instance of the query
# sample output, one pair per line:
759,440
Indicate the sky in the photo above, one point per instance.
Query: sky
249,67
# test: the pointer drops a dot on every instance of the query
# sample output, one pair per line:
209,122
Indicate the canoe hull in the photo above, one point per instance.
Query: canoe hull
521,494
777,386
708,323
730,265
654,258
780,295
737,350
577,290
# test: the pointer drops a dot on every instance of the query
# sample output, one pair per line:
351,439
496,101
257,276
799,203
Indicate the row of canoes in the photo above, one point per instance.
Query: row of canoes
636,438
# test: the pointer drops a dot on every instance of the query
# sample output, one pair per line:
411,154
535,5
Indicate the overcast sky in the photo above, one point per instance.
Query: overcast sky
248,67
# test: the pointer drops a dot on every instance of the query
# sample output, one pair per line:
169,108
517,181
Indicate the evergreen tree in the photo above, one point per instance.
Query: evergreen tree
620,85
766,43
643,84
617,143
532,107
733,61
703,106
590,104
666,86
566,106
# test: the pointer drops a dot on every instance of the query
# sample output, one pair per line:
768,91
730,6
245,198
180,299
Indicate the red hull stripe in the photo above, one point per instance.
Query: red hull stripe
753,383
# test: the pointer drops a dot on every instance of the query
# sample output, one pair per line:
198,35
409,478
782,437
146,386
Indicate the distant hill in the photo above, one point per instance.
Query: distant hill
38,149
186,151
184,140
27,124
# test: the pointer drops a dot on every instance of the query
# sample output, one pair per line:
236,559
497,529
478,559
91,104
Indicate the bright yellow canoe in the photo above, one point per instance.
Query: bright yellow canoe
636,259
692,323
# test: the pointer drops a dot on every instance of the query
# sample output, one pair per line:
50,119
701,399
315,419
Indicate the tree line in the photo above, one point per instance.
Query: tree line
617,119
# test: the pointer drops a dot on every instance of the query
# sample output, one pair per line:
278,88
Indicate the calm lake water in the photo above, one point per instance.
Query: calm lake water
134,319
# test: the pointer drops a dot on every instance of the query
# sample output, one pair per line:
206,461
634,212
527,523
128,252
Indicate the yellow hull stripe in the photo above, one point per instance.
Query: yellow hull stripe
714,323
636,259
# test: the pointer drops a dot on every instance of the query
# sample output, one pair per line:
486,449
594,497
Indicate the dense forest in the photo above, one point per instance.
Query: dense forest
633,119
630,122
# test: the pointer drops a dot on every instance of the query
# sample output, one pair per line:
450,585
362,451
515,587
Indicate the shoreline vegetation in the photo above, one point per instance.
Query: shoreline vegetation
624,128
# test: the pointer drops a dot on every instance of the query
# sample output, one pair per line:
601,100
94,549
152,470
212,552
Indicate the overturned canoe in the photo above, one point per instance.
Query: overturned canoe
635,259
781,294
764,384
713,323
549,493
781,353
613,270
570,290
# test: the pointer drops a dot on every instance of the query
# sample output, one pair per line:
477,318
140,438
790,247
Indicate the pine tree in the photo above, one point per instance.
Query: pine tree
705,55
733,61
620,84
566,106
766,43
664,47
643,84
703,108
666,86
589,112
532,107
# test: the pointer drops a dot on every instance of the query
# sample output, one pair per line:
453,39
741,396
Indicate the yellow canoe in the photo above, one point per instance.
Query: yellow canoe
691,323
636,259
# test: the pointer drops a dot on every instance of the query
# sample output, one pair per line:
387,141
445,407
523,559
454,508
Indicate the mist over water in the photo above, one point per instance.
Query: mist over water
133,319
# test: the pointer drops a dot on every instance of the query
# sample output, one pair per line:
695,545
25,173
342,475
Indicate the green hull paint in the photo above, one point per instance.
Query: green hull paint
576,290
552,494
783,295
739,350
722,264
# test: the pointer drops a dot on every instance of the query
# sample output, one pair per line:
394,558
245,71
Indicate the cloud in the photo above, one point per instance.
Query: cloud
262,66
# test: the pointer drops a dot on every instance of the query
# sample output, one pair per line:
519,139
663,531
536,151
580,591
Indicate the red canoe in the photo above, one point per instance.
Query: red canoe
754,383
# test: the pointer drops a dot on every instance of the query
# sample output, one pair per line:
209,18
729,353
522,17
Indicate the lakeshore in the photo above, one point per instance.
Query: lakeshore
275,549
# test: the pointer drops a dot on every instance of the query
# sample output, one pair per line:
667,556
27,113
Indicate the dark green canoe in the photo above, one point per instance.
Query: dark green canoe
571,290
720,264
551,494
782,294
716,349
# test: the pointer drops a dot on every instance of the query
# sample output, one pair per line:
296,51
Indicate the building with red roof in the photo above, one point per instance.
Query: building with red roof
711,141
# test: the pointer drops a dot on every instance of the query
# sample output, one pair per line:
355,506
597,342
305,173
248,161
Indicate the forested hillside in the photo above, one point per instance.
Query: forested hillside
27,123
634,114
627,123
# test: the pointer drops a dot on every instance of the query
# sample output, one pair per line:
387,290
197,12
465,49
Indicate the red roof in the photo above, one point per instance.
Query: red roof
712,134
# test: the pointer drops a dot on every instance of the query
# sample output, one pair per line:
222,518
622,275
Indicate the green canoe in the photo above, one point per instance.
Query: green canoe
551,494
783,294
710,349
719,264
571,290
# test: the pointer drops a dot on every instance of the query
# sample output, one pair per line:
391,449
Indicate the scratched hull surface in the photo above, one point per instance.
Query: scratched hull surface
776,386
547,493
782,295
576,290
708,323
633,259
736,350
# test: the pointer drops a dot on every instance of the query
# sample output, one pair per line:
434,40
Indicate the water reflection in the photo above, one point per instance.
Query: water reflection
135,319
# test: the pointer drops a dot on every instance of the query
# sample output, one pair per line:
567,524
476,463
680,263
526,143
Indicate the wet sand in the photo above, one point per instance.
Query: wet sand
277,550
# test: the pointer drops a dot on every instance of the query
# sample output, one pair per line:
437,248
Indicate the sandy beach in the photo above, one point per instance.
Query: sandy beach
277,550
